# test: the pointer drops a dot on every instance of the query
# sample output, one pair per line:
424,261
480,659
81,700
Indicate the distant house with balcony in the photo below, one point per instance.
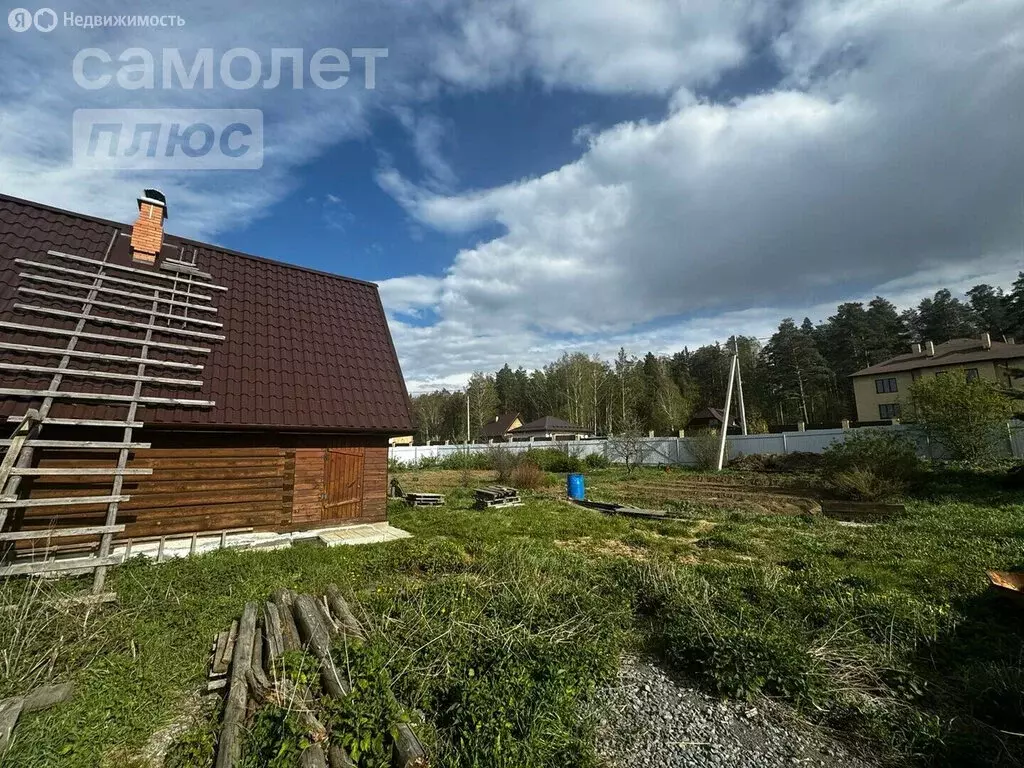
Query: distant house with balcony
881,390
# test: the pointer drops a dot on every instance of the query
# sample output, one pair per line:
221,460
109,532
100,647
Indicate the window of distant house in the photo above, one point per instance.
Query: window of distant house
883,386
972,374
889,411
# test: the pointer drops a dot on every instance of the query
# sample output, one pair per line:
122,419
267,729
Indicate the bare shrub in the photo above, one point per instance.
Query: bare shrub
628,446
704,447
797,461
871,465
866,484
503,461
527,475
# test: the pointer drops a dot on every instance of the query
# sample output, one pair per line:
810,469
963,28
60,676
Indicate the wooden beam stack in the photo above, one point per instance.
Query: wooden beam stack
256,642
497,496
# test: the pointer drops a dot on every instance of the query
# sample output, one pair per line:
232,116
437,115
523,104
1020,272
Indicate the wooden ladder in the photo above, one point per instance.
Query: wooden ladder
169,301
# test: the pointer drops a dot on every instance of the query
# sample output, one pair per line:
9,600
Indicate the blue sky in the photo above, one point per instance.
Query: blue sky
533,176
350,224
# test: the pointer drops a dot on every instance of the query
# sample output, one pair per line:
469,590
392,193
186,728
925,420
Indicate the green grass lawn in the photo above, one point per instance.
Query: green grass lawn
501,625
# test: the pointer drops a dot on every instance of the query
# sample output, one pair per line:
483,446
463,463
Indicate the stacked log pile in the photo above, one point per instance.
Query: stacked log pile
497,496
244,659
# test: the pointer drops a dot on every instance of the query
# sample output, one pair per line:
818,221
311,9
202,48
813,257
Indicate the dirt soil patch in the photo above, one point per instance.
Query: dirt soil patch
609,547
441,480
725,492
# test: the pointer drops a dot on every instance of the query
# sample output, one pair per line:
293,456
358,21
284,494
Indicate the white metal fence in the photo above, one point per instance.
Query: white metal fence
678,450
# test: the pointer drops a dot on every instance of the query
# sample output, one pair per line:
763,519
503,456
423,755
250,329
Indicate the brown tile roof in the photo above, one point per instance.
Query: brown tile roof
712,414
303,350
549,424
952,352
499,426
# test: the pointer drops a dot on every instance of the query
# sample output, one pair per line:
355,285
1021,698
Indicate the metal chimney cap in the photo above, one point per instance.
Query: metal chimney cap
154,197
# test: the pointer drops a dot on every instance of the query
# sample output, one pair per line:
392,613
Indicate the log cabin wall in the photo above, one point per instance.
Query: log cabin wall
215,481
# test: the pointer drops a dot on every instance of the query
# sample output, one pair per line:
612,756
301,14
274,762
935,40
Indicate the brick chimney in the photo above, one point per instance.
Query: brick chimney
148,231
986,341
929,348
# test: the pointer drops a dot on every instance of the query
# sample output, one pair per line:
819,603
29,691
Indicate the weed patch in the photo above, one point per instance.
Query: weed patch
501,625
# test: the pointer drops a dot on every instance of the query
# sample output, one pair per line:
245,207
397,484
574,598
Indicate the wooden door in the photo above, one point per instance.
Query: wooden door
343,483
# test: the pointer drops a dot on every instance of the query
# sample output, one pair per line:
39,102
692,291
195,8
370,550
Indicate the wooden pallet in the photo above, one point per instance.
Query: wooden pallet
494,496
496,492
193,544
424,499
498,503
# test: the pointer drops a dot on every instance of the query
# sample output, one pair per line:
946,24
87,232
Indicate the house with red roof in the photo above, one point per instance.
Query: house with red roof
153,385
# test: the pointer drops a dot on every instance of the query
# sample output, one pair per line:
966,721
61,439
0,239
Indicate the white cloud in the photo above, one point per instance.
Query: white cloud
600,45
411,293
890,157
447,353
35,122
453,214
428,134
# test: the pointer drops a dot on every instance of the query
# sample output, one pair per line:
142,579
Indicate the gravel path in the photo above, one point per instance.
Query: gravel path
654,721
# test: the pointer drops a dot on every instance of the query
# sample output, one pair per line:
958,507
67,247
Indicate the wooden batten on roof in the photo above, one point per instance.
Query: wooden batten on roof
298,349
277,420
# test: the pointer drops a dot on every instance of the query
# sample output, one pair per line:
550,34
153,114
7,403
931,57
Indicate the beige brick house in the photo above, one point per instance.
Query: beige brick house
881,390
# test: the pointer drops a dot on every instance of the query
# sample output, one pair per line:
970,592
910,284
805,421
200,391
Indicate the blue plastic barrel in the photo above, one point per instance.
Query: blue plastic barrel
575,487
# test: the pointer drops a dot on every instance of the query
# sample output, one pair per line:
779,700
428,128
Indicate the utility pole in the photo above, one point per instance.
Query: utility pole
465,458
739,384
725,416
803,398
